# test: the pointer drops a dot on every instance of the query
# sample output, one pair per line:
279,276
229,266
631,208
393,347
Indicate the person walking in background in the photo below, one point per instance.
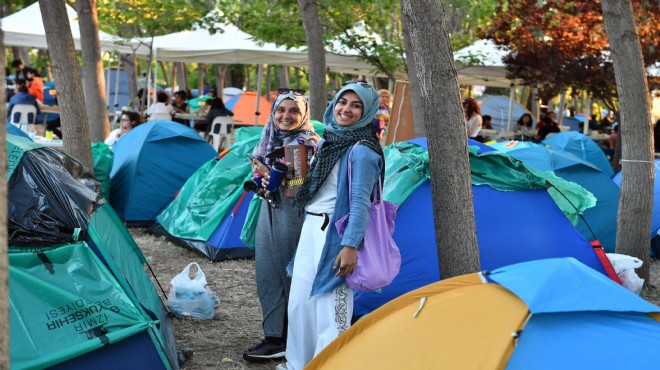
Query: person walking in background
129,120
35,83
382,117
278,227
320,303
473,119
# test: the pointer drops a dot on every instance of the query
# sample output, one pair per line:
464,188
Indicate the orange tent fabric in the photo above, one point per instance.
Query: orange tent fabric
244,108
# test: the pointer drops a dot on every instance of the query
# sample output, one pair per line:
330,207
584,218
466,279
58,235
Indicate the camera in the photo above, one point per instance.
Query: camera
277,173
253,185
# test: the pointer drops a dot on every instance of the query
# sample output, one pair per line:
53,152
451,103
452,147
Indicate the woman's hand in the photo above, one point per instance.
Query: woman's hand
258,166
346,261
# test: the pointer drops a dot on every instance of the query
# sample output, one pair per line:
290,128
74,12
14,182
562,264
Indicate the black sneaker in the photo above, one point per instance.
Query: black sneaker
264,352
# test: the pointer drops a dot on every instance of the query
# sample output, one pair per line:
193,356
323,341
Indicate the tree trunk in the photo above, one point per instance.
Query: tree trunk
128,61
637,168
269,68
162,68
181,76
75,126
451,189
93,78
219,74
200,79
25,56
415,92
284,77
4,268
315,57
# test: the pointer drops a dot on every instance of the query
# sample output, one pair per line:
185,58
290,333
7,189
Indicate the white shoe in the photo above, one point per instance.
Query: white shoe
281,366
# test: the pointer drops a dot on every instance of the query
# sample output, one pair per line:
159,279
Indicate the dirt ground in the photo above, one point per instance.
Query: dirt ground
220,343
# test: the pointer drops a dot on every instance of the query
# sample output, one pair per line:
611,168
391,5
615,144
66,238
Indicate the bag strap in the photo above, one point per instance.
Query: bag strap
378,190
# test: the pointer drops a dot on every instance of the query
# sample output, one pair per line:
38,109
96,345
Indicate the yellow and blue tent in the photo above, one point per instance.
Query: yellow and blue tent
544,314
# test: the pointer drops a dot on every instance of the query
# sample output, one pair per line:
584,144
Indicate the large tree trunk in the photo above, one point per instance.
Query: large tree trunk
451,189
4,269
284,77
75,126
200,79
637,169
416,94
316,58
219,74
93,78
164,70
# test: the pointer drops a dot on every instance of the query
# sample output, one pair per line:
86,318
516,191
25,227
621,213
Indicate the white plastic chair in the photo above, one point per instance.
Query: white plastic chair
23,112
220,136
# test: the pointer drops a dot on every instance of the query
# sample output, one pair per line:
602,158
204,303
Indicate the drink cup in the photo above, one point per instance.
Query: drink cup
49,135
277,173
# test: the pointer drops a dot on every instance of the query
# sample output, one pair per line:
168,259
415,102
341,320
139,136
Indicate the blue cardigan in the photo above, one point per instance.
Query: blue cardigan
366,167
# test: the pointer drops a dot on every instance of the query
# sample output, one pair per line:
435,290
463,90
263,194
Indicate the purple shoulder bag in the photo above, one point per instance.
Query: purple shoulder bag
379,261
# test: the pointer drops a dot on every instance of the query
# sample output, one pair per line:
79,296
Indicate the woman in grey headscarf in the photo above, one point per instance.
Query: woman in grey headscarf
278,228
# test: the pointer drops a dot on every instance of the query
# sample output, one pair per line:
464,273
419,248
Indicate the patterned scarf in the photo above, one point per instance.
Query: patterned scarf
339,139
273,138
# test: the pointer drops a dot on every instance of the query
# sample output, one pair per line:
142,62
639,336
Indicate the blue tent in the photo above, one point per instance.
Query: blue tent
13,130
655,222
512,227
601,219
583,147
151,163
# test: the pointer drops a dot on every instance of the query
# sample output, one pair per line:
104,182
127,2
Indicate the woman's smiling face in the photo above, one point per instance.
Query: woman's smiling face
348,109
287,115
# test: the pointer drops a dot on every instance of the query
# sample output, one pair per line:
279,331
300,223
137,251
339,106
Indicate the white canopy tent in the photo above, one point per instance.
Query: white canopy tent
234,46
25,28
481,64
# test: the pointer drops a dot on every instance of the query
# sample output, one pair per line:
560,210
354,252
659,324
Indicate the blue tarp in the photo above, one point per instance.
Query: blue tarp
600,219
512,226
151,163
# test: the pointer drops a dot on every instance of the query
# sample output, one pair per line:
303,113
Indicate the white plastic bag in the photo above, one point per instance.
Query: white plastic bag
191,297
625,266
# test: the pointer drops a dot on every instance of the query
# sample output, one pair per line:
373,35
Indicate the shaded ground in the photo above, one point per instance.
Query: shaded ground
220,343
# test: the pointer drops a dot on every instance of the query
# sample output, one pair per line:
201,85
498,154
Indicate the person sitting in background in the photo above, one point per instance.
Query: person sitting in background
129,120
35,84
138,103
486,122
524,123
217,109
160,109
180,106
547,127
473,120
22,96
383,114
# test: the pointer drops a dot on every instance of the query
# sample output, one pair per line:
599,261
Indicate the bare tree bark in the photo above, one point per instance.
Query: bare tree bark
316,58
200,79
93,78
416,94
181,76
637,166
284,77
219,74
4,264
75,126
162,68
451,189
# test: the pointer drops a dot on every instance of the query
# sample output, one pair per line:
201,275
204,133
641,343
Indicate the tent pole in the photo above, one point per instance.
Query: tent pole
535,104
256,108
512,98
117,76
587,113
562,99
107,82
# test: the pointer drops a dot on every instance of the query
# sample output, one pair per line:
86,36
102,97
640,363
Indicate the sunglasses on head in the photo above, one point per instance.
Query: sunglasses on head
361,82
297,92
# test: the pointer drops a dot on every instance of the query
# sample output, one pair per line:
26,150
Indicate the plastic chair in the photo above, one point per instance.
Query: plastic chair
220,136
20,114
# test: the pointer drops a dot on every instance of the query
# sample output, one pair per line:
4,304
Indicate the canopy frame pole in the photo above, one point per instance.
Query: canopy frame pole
512,98
260,68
